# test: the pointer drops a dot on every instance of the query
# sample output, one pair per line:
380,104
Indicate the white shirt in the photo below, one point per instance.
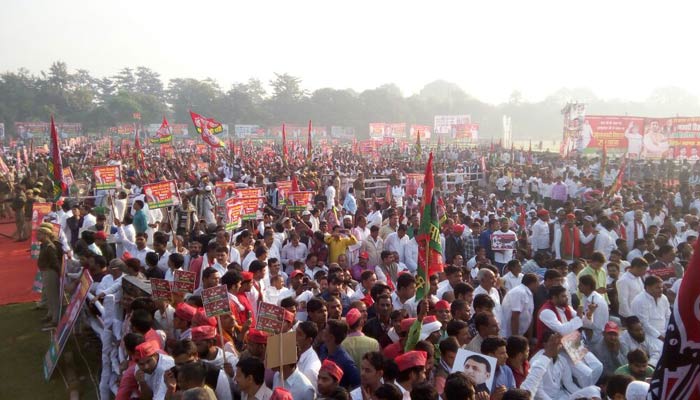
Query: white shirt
634,253
309,364
291,253
604,242
495,296
628,287
652,346
263,393
409,305
519,299
511,281
297,384
330,197
503,256
653,313
394,243
600,316
540,235
411,255
155,380
557,382
548,318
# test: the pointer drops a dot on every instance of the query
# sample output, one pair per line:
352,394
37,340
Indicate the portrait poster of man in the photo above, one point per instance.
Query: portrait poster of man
480,368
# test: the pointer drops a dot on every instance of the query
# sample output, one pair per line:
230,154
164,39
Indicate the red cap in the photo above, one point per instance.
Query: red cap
281,394
611,326
570,217
146,349
543,213
406,324
200,318
204,332
442,305
364,255
126,256
288,316
353,316
295,273
100,235
185,312
411,359
458,229
247,276
256,336
332,368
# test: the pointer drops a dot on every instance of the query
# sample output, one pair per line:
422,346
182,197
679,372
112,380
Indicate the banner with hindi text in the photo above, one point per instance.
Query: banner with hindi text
107,177
161,194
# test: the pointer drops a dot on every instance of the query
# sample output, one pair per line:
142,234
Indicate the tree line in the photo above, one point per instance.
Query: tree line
99,103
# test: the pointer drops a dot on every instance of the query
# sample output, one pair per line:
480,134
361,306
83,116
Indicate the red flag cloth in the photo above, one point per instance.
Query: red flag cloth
295,184
56,164
428,237
677,373
617,185
309,148
284,143
207,128
139,158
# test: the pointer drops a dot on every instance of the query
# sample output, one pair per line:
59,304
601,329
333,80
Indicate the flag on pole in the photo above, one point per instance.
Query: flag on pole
309,148
419,150
164,134
56,165
677,373
139,157
428,237
207,128
603,161
284,143
617,185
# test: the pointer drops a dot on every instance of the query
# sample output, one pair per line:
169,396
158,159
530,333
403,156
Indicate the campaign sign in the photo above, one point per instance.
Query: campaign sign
160,290
107,177
161,194
270,318
234,210
215,301
184,281
503,241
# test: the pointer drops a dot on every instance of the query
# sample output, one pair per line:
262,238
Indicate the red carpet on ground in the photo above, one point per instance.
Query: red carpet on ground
17,269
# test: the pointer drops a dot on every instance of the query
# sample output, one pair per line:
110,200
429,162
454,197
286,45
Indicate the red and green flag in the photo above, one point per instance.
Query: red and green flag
428,237
56,165
164,134
617,185
207,128
309,146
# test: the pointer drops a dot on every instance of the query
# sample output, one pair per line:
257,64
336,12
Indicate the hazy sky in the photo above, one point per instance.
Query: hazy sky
618,49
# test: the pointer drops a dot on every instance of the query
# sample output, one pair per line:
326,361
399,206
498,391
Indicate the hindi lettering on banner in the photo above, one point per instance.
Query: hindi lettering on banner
215,301
618,135
270,318
250,207
107,177
183,281
39,211
503,241
65,325
300,201
161,290
444,125
244,131
161,194
234,211
250,192
222,191
380,130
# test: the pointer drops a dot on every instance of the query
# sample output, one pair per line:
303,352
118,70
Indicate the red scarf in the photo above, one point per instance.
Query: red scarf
570,250
542,328
644,230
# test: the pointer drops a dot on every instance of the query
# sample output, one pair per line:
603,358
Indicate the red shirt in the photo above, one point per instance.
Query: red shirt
520,378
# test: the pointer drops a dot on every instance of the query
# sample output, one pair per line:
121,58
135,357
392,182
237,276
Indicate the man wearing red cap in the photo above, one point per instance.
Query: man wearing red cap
329,378
411,371
150,370
182,320
356,343
362,265
205,338
281,394
608,350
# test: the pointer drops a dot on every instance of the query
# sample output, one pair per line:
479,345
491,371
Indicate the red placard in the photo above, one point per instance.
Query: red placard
234,210
107,177
215,301
300,201
184,281
39,211
413,182
161,194
270,318
160,290
503,241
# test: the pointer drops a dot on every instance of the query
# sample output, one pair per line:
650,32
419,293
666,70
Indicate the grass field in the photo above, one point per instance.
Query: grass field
22,349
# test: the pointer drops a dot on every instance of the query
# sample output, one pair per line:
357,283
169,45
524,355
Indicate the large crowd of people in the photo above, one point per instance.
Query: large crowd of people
566,283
